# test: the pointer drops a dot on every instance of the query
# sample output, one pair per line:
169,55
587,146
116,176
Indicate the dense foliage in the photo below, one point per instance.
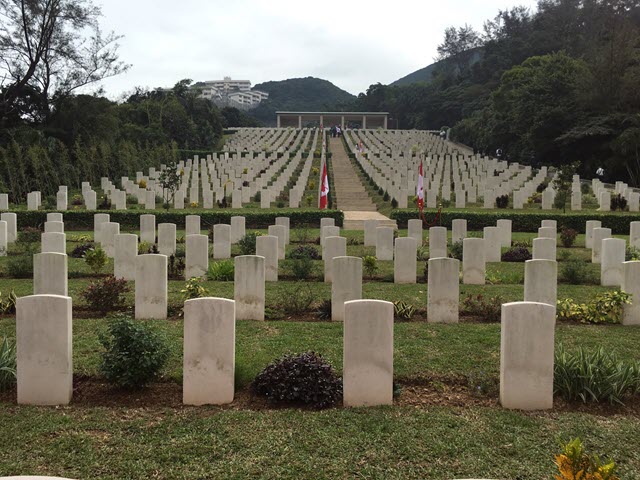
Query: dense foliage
134,353
552,86
305,378
87,137
300,94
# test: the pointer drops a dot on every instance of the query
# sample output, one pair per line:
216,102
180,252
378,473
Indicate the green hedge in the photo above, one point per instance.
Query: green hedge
83,219
521,221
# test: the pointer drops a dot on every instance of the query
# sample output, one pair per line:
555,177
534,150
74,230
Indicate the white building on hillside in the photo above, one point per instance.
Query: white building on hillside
230,93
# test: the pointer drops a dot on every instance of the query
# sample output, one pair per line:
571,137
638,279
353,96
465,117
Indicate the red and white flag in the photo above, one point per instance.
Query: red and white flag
324,191
420,191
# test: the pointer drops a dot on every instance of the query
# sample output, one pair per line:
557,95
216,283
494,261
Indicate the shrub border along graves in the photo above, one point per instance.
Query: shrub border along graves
522,222
83,219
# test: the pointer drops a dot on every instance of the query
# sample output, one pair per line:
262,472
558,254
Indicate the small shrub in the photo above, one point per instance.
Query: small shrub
487,309
605,308
578,273
7,364
175,267
573,464
20,267
96,259
81,250
247,244
299,300
134,355
77,200
105,203
403,310
193,289
542,187
370,266
143,247
29,235
324,310
568,237
305,378
309,200
595,376
223,271
106,295
305,251
258,196
618,202
280,204
8,303
456,250
302,268
385,197
312,185
632,253
502,201
517,254
394,203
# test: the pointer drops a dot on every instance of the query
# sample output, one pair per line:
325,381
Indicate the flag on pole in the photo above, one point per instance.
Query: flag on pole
324,191
420,191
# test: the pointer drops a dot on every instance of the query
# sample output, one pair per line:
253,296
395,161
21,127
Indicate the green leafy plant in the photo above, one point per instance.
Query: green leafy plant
7,364
20,266
575,272
247,244
96,259
305,251
81,250
486,309
301,268
8,303
193,289
106,294
143,247
403,310
370,266
596,376
456,250
222,271
605,308
134,353
632,253
324,310
305,378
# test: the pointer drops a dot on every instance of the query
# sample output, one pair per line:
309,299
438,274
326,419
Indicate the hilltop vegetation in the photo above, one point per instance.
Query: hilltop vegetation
551,87
306,94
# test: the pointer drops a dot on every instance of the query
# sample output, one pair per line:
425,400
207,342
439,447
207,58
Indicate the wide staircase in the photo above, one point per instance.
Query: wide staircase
350,195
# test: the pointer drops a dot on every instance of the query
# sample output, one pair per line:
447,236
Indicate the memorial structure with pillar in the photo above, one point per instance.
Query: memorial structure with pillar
372,120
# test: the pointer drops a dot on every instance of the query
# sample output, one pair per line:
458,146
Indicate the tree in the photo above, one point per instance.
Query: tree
170,181
562,184
50,48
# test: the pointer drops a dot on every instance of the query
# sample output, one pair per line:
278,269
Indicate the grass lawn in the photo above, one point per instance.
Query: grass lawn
438,427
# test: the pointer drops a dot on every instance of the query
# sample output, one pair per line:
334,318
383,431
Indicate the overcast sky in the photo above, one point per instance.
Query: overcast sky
351,43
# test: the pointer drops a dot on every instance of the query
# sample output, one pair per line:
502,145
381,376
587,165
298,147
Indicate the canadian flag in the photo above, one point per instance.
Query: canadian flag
420,192
324,191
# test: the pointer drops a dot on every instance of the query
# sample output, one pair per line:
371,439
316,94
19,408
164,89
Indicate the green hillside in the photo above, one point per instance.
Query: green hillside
305,94
427,73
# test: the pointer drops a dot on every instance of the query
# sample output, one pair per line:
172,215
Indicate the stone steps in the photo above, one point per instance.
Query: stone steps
350,194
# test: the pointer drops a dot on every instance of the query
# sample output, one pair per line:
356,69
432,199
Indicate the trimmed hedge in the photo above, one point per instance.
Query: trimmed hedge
521,221
83,219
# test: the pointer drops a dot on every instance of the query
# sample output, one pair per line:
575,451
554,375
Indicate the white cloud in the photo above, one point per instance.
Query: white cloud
353,43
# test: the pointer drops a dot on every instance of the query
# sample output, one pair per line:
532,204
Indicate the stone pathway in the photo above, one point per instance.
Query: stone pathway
351,196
